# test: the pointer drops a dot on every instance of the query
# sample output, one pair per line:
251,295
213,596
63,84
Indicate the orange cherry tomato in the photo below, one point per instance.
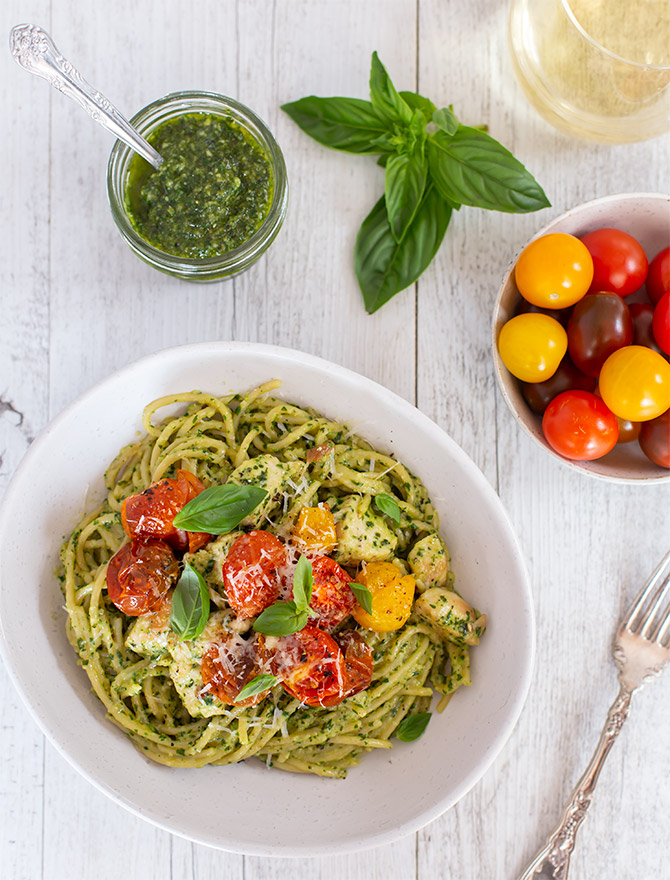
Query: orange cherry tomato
229,664
554,271
532,346
332,599
139,576
311,667
149,514
635,383
314,530
251,572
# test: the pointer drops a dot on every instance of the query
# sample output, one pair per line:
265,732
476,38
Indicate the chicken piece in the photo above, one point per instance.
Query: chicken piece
429,561
275,476
362,536
450,617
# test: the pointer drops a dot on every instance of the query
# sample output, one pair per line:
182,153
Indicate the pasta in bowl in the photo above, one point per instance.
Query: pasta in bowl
244,806
243,671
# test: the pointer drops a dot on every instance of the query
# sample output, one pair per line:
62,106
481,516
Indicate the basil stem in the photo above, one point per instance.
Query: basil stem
190,604
411,727
219,509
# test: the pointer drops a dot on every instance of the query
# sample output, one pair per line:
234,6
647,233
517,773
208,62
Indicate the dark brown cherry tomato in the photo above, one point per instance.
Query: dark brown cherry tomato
525,308
600,324
579,426
149,514
230,663
643,315
658,278
538,395
619,261
628,431
139,576
655,439
332,599
358,662
251,572
311,667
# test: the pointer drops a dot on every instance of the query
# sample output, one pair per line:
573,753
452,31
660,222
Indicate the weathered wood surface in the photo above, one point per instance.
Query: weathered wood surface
77,305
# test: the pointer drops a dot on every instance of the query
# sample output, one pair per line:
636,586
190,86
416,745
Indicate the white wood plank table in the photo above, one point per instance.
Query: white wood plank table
76,304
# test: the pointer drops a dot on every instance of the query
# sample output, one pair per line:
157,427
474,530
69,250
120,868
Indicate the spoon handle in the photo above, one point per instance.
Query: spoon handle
35,51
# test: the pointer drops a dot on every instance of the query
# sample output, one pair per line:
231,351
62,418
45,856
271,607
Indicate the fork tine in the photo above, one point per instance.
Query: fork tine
660,574
663,629
648,624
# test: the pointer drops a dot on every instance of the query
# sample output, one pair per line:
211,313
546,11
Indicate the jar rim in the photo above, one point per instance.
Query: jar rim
147,120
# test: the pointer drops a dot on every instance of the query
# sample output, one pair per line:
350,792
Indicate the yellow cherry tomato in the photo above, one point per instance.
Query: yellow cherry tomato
392,597
554,271
532,346
315,529
635,383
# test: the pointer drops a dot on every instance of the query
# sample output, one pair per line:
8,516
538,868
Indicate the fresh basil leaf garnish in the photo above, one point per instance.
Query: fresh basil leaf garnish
281,619
256,686
341,123
219,509
190,604
385,99
472,168
303,581
405,181
384,266
446,119
411,727
389,506
363,596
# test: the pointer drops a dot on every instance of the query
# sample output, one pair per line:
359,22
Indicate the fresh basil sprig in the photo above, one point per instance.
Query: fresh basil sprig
285,618
388,506
433,165
363,596
219,509
190,604
256,686
411,727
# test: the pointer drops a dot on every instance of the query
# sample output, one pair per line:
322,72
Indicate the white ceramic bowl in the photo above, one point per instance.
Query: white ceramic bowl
645,216
247,807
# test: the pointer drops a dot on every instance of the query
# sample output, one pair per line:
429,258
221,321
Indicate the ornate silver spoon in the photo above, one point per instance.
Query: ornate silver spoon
35,51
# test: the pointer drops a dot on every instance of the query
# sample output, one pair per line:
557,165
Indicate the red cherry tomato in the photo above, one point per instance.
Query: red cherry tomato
643,315
538,395
658,279
655,440
229,664
619,261
149,514
250,572
311,667
661,323
600,323
358,662
579,426
332,599
139,576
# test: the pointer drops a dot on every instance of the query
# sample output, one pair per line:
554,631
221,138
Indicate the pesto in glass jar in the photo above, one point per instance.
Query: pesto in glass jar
212,192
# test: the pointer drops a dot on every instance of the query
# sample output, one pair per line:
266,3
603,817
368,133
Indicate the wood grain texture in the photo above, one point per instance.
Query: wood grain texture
78,304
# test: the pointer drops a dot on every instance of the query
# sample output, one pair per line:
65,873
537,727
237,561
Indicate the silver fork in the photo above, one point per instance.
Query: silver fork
641,650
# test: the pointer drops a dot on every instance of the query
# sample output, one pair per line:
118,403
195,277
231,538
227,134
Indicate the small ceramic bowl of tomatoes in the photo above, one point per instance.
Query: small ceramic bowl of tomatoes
581,337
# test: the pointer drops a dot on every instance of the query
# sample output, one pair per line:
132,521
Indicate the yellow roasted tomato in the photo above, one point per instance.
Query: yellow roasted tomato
315,529
392,597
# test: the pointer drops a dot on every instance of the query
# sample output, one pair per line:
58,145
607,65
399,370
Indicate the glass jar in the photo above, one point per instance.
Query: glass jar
239,258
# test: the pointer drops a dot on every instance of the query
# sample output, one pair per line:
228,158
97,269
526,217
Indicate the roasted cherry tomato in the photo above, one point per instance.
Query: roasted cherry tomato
311,667
538,395
230,663
358,663
643,316
635,383
139,576
655,440
619,261
392,597
314,530
251,572
332,599
579,426
149,514
531,346
600,324
658,278
661,323
554,271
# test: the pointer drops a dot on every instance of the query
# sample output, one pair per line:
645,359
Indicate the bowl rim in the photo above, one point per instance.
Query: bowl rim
516,702
504,378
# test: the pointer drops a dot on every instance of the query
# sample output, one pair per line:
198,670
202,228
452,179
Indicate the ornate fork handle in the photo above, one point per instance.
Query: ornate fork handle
35,51
553,860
